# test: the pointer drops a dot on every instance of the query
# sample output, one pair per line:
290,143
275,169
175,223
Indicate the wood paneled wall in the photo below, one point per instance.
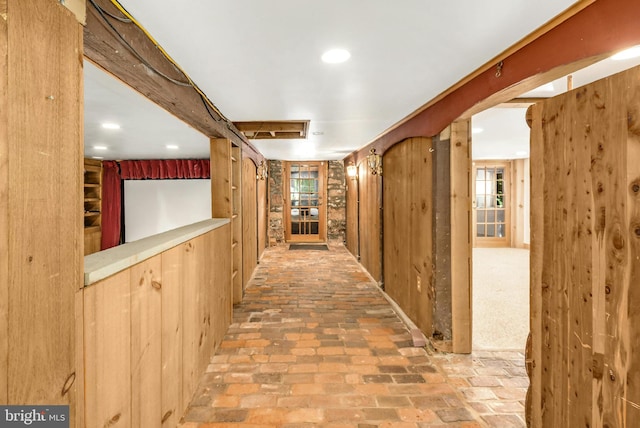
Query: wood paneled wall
150,331
370,221
352,232
585,256
41,241
262,216
407,196
249,220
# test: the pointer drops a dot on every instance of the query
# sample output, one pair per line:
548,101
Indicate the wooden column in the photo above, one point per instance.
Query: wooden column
461,251
441,211
41,240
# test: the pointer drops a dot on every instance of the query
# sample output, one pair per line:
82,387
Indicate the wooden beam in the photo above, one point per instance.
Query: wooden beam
524,102
576,39
278,126
106,49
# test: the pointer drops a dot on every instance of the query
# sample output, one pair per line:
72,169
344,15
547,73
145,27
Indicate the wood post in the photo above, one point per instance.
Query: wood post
41,239
461,251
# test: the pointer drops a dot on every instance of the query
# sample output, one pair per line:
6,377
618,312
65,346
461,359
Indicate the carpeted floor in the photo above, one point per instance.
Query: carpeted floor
500,298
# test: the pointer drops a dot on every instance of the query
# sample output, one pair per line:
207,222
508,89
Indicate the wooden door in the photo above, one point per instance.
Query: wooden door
585,256
491,204
305,209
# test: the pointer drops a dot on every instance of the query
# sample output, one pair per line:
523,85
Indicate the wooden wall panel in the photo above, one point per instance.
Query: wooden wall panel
352,232
585,323
4,209
150,332
262,216
191,321
370,221
220,163
107,320
41,226
518,195
219,269
236,221
407,196
172,332
146,343
249,220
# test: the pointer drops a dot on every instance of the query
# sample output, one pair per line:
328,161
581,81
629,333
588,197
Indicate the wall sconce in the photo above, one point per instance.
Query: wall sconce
352,171
374,161
261,173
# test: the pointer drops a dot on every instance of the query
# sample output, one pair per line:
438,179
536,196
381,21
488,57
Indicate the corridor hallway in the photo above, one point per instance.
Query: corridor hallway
315,344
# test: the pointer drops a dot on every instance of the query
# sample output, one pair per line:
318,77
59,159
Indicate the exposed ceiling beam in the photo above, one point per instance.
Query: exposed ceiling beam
104,45
520,102
268,130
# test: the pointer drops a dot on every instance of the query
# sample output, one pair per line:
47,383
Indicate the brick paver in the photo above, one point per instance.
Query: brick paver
314,343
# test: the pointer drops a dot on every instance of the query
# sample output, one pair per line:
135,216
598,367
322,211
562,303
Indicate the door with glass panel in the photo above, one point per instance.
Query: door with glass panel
305,211
491,204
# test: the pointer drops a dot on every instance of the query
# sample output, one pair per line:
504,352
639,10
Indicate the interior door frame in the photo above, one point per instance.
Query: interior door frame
495,241
322,206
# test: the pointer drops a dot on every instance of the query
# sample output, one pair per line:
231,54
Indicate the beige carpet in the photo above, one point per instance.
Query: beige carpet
500,298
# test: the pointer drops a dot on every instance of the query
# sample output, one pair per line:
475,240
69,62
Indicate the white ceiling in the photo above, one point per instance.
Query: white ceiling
259,60
505,134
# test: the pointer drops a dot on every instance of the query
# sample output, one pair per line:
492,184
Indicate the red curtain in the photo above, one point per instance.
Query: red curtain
111,204
158,169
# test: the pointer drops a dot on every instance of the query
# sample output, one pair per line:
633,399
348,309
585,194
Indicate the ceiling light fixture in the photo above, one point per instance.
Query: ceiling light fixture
97,157
100,147
336,56
110,125
632,52
172,147
476,130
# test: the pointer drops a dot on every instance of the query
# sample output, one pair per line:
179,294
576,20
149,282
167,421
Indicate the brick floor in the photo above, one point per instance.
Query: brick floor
314,343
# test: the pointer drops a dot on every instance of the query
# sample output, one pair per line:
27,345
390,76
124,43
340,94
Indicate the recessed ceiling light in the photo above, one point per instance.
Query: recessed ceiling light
632,52
476,130
336,56
110,125
172,147
100,147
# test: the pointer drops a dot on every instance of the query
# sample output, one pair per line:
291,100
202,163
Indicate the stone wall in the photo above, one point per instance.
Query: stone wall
336,202
276,202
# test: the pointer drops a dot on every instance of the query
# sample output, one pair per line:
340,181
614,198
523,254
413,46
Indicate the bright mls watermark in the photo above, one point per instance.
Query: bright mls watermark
34,416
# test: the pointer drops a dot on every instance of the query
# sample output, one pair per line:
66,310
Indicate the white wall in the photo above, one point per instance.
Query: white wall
155,206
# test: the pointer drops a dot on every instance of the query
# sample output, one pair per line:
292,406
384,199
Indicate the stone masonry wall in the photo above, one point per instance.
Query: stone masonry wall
276,202
336,202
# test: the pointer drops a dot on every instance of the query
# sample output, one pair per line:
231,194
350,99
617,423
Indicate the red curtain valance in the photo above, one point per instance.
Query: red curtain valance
160,169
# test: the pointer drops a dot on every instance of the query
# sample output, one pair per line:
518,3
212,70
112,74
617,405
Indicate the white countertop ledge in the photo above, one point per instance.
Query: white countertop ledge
100,265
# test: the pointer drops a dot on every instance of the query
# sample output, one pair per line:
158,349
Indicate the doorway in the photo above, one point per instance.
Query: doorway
491,204
305,213
500,204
